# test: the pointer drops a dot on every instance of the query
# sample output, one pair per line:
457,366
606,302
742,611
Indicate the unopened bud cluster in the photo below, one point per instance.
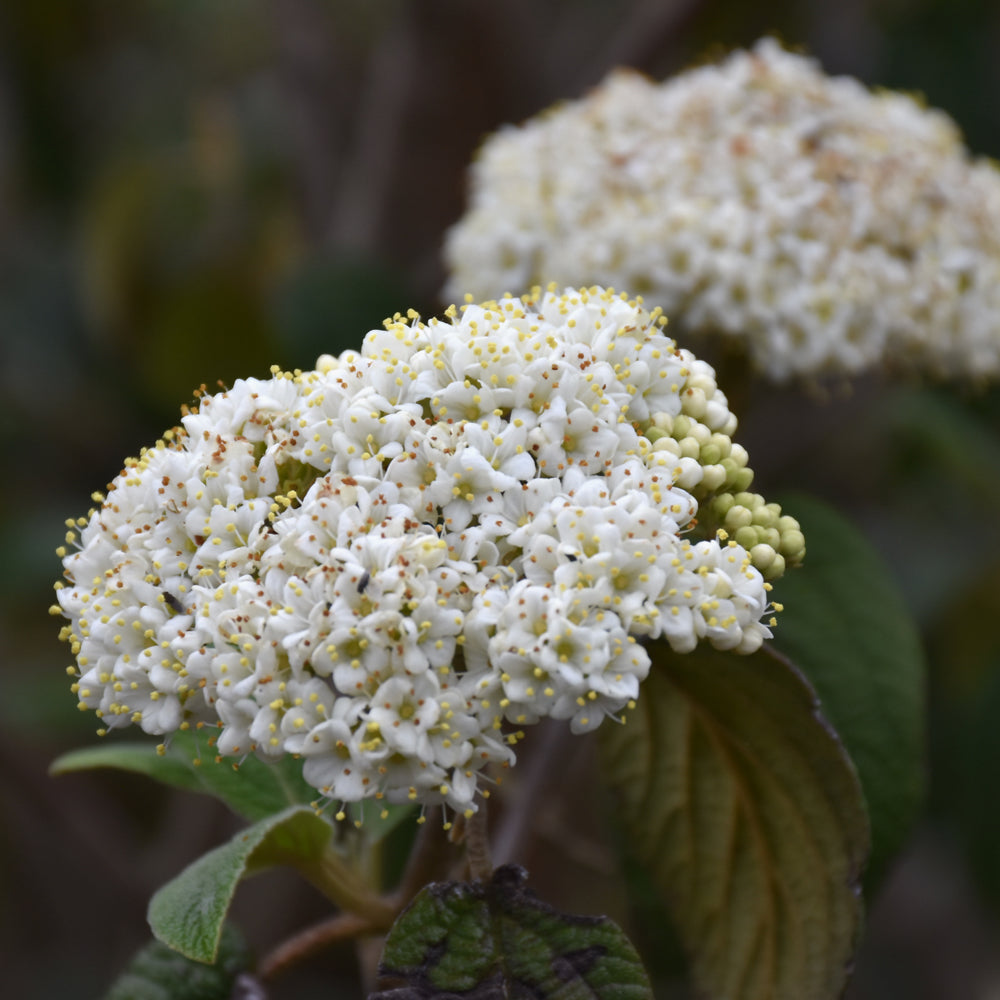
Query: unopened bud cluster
389,565
774,540
825,227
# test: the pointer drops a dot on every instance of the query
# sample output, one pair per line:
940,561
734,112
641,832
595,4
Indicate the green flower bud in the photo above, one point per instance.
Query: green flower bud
762,556
770,536
738,517
689,447
668,444
793,546
714,477
722,503
723,443
710,454
700,433
776,569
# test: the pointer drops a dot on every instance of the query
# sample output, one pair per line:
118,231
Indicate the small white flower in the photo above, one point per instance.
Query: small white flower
335,764
405,708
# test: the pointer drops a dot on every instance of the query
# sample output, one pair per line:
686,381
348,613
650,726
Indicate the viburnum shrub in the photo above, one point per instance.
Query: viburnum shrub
349,593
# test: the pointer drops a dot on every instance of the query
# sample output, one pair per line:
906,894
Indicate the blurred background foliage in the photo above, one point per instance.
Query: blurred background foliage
194,191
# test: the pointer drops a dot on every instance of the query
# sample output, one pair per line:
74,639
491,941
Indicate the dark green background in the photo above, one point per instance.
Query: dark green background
193,191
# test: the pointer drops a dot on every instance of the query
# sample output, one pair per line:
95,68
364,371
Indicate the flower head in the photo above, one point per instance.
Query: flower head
389,564
828,228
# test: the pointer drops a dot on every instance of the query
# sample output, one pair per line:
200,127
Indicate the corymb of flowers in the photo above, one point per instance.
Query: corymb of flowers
825,227
390,565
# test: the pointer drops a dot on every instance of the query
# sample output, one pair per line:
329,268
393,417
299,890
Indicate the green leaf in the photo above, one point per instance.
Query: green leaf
187,914
745,810
846,627
253,790
140,758
157,972
498,940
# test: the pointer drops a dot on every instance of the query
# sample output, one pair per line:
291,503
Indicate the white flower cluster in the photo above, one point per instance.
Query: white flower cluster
389,564
829,228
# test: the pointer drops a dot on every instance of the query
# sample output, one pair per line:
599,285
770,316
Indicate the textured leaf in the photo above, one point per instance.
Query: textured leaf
253,790
187,914
744,808
498,940
140,758
846,627
157,972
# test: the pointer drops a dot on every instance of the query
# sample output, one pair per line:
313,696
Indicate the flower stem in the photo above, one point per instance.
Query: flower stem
334,876
312,940
365,913
477,846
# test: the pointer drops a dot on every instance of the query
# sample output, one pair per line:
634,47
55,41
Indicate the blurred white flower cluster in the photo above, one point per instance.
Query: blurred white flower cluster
828,228
390,564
